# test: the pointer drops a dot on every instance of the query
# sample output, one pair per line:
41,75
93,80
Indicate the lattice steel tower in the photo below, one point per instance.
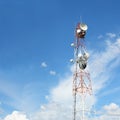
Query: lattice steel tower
81,77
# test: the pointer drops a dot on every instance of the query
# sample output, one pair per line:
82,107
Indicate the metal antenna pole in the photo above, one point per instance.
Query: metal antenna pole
75,79
74,116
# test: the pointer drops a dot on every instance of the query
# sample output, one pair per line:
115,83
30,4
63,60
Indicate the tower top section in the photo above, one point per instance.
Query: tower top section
81,30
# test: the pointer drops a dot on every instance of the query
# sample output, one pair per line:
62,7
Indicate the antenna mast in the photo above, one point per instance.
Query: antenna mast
81,77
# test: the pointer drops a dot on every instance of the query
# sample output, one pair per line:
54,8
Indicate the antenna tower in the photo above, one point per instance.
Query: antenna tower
81,77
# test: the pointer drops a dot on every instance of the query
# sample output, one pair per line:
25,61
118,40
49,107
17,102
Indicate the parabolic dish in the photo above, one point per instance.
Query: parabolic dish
83,26
78,30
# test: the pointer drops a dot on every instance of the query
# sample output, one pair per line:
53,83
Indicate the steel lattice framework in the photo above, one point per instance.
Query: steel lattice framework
81,77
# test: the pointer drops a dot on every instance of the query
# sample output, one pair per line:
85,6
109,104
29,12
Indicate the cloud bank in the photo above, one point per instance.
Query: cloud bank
59,106
16,116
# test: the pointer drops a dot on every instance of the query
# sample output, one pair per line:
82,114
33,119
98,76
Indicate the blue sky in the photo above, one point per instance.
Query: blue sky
35,38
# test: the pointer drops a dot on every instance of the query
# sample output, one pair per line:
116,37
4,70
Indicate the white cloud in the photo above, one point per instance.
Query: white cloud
52,111
43,64
111,35
103,63
111,107
109,112
63,92
16,115
52,72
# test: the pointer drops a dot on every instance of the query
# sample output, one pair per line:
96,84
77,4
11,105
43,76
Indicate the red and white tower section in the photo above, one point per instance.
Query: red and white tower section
81,77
